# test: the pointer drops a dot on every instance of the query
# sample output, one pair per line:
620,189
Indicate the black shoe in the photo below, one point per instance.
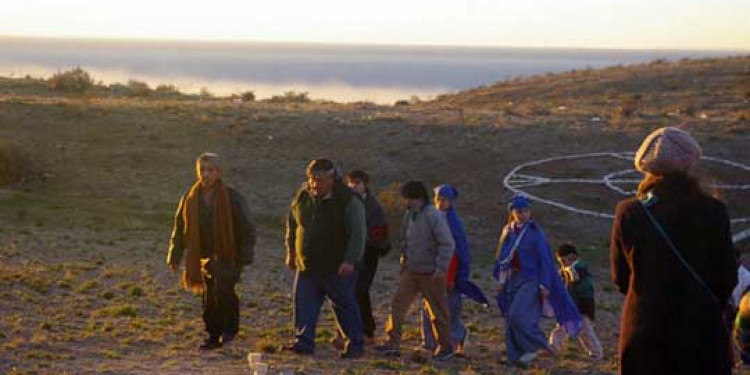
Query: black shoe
228,337
293,348
352,353
210,344
443,355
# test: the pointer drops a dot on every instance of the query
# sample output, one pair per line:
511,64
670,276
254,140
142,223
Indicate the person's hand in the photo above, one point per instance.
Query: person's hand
438,275
543,292
346,269
500,288
290,265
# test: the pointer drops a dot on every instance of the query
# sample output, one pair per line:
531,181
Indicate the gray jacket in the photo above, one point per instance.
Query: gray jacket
426,241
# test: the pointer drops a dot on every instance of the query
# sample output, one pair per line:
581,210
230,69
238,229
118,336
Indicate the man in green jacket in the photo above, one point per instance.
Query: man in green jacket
325,239
212,228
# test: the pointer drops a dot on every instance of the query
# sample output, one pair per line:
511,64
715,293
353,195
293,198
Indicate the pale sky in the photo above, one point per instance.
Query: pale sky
673,24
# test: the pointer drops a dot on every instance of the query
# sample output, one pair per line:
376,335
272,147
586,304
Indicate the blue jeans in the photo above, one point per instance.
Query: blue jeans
309,293
458,331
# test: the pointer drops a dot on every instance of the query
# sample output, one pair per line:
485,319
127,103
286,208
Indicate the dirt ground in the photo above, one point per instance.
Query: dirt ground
83,283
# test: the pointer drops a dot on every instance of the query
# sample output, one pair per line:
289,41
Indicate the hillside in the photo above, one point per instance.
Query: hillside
712,89
90,182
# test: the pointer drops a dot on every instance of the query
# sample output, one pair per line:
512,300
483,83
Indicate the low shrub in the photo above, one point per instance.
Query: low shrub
139,88
15,166
75,80
290,97
248,96
167,90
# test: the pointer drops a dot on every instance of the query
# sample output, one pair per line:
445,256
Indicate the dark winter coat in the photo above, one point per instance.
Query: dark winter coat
378,240
670,325
321,233
244,230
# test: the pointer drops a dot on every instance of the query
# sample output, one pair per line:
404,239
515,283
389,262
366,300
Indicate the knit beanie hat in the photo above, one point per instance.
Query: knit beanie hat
667,150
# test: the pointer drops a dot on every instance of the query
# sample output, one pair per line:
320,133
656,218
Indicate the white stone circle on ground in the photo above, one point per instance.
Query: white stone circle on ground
516,181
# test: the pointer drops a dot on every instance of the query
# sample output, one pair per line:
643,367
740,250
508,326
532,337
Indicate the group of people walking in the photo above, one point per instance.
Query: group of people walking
671,255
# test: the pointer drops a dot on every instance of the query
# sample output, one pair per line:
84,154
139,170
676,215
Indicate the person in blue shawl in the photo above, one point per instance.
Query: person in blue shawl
529,286
458,284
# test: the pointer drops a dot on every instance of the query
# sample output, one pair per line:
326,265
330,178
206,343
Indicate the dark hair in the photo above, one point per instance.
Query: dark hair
415,190
566,249
358,175
318,166
670,184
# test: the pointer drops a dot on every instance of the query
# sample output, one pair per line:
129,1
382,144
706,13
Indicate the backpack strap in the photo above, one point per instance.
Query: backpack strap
651,200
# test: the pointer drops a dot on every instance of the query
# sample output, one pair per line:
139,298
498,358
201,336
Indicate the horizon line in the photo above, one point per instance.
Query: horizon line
123,39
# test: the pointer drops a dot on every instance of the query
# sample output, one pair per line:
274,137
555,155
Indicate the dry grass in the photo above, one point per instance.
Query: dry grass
83,284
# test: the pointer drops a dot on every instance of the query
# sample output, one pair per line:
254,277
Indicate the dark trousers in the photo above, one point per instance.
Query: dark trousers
221,307
364,282
309,293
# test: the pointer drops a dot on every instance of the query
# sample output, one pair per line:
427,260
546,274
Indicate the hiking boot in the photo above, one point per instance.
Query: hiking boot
211,343
388,349
443,355
295,349
228,337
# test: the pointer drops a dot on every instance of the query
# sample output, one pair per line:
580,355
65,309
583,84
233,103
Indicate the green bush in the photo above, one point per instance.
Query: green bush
75,80
139,88
248,96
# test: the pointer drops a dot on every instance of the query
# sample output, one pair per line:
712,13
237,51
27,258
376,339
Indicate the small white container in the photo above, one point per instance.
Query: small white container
261,368
253,358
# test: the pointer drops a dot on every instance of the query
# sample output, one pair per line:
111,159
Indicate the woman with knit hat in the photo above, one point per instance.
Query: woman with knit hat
529,286
671,255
